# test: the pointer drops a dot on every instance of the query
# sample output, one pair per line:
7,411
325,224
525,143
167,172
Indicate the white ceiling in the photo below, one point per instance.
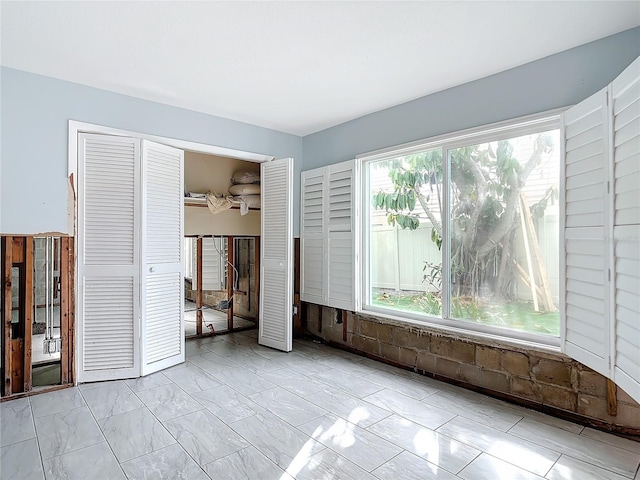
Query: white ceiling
297,67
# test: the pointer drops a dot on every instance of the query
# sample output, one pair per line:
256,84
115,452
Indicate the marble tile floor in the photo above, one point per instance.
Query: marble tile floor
236,410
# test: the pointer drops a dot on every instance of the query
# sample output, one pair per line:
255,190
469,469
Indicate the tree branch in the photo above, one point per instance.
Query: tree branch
516,183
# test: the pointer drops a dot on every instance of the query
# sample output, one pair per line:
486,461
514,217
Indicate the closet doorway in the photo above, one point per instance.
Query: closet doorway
125,344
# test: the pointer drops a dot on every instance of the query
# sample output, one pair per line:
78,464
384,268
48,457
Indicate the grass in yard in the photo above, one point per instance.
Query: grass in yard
514,315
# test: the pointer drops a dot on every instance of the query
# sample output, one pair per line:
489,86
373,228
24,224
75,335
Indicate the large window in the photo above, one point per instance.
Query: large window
464,231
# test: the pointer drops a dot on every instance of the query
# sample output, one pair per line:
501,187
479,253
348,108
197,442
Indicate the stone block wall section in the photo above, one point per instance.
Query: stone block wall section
543,380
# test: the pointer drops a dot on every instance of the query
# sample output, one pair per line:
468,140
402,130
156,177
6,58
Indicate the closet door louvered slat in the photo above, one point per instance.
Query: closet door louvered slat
109,261
312,252
586,302
162,250
276,275
625,94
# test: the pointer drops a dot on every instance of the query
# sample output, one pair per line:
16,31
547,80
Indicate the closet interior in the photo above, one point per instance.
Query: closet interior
222,244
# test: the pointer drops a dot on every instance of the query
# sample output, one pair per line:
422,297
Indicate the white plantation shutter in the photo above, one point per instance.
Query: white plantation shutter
312,254
586,302
213,264
276,275
625,95
602,231
340,198
328,257
162,250
109,263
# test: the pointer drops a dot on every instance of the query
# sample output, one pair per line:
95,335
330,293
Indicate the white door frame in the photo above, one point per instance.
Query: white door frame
76,127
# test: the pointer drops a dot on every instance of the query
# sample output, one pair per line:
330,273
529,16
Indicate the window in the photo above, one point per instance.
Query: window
464,230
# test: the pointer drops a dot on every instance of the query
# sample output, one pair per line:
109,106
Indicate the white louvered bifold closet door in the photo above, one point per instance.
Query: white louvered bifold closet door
276,274
108,257
213,263
586,302
625,94
312,238
340,223
162,340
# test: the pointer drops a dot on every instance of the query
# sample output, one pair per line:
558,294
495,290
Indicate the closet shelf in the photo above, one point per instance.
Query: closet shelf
202,202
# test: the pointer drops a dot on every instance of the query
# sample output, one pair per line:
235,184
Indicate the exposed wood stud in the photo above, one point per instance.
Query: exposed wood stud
612,398
65,307
257,277
71,310
199,286
28,312
297,325
230,280
7,256
344,325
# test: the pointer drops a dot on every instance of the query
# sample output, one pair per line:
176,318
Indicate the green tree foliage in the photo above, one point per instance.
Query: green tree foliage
486,181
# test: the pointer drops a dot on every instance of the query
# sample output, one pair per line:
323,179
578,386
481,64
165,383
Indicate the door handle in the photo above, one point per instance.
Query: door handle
152,269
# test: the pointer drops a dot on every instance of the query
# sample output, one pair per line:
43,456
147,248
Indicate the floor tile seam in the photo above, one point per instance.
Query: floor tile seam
402,449
286,390
106,440
587,459
528,469
364,429
146,453
164,385
75,449
29,439
516,437
297,430
148,388
287,421
610,444
98,405
397,388
509,463
341,389
61,411
463,413
144,406
177,442
326,447
234,389
553,466
250,445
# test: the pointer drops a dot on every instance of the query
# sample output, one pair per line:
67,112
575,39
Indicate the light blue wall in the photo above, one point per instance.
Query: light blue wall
557,81
34,114
35,111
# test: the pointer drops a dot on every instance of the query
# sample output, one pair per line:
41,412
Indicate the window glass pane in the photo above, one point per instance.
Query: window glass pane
404,223
504,233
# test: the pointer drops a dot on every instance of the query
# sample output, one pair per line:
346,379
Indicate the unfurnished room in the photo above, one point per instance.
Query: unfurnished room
320,240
